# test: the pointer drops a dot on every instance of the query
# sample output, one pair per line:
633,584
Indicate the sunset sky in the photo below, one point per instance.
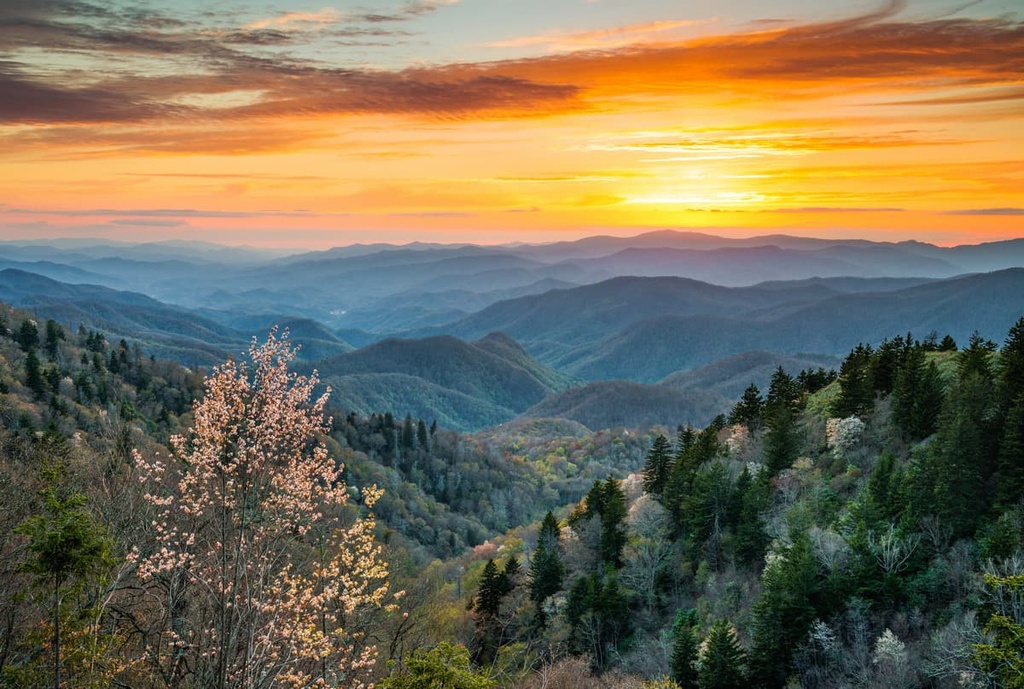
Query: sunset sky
312,124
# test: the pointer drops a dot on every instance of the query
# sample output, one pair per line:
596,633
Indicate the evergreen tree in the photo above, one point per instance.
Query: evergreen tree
783,392
976,358
421,435
887,361
948,344
723,662
917,396
782,441
613,523
856,384
684,649
408,434
658,466
1009,480
34,380
28,335
54,335
748,410
783,614
488,597
753,498
65,544
709,511
546,569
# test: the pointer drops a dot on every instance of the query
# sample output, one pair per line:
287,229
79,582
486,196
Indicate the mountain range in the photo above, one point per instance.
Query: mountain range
666,327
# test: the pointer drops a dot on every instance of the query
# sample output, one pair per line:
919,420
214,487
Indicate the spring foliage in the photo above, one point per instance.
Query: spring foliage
255,587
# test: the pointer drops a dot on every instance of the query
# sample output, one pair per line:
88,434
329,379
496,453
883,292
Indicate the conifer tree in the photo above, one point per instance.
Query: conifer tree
684,649
783,614
658,466
65,543
723,661
613,522
546,569
856,383
34,375
749,409
1009,478
917,395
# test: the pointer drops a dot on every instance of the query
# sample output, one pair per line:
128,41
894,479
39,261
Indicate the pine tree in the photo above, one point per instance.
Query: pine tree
28,335
856,384
684,649
723,662
782,441
613,523
488,597
34,375
1009,479
753,499
917,396
748,410
783,614
546,569
658,466
65,543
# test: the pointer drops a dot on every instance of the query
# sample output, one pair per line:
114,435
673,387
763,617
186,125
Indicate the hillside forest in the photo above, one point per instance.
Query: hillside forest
163,526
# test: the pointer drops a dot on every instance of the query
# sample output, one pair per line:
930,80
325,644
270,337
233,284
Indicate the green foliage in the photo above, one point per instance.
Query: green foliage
546,569
783,614
749,408
65,543
684,649
598,612
723,662
1001,657
917,395
658,466
856,382
446,666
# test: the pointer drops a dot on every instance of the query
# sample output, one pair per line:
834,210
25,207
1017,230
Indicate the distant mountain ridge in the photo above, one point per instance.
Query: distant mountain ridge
643,329
464,385
382,289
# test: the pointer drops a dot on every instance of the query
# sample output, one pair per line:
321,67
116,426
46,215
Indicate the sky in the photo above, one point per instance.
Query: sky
286,123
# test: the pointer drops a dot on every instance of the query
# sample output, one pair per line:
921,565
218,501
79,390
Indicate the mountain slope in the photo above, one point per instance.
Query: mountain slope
646,328
471,384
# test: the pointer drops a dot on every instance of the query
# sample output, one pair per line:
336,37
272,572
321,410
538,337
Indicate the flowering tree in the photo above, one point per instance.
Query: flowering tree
256,577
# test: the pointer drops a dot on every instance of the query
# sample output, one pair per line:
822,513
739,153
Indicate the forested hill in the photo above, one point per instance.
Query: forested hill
462,385
853,528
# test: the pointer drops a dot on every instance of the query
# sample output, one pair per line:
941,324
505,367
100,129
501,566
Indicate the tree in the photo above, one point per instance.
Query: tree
723,662
28,335
783,614
658,466
65,543
34,375
1011,366
54,334
917,395
445,666
684,649
1001,656
748,410
258,584
546,569
856,383
1010,468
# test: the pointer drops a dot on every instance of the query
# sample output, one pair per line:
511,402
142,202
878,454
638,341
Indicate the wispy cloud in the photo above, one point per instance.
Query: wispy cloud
615,37
987,211
292,20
